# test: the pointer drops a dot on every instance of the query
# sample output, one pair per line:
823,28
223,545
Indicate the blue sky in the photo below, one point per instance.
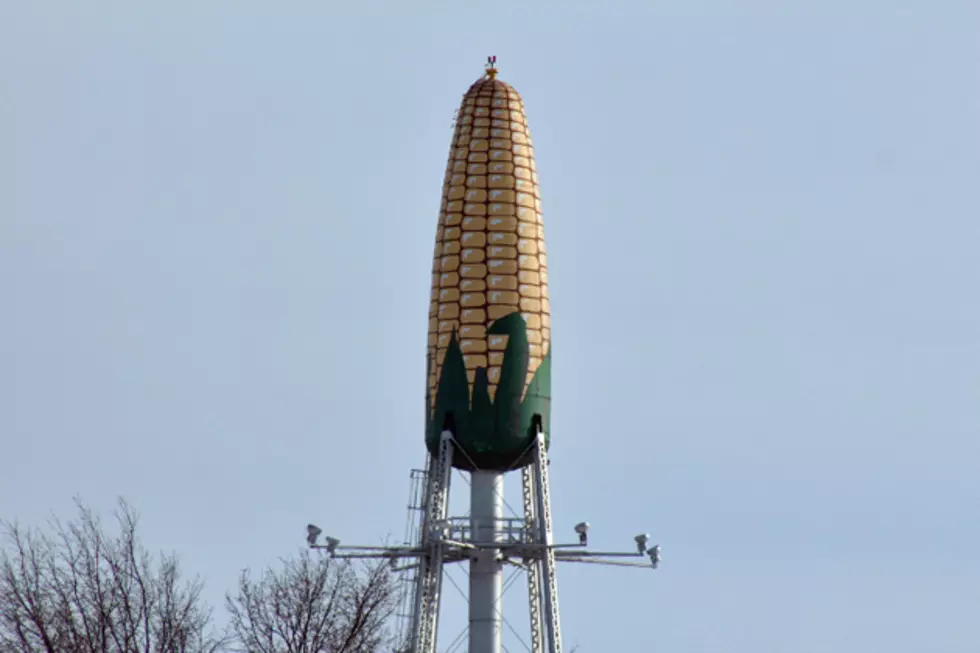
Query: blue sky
216,227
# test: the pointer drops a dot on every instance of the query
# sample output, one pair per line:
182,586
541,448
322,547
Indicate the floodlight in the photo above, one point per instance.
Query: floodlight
582,528
654,556
312,532
641,543
332,543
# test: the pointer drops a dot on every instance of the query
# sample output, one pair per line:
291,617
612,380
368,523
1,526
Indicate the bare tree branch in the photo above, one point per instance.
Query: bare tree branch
86,591
313,604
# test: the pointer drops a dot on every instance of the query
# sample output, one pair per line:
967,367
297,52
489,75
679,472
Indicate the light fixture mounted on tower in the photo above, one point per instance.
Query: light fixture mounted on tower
312,532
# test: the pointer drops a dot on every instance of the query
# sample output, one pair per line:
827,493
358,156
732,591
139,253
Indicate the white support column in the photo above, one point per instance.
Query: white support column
486,572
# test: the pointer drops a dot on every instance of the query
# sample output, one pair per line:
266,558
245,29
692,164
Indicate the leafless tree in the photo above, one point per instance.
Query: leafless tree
313,604
79,589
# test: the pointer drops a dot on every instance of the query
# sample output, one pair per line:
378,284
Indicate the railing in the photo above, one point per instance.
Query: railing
506,530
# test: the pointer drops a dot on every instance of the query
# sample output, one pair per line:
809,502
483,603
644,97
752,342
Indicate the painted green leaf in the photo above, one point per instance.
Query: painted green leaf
513,373
537,401
480,424
452,395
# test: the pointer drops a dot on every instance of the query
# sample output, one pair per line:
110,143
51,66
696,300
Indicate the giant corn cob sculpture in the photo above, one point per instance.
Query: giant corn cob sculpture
489,346
488,395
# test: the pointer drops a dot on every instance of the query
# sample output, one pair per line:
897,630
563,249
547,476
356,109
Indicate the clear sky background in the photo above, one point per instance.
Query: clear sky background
216,229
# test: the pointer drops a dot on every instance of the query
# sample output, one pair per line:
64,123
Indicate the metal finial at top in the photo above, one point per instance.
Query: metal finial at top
492,66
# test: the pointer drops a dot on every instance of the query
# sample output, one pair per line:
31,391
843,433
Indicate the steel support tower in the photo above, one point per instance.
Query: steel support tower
488,541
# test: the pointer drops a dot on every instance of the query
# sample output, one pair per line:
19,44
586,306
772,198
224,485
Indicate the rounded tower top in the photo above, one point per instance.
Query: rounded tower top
488,85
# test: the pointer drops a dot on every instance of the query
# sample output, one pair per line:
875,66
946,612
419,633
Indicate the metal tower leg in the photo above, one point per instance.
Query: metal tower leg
552,620
534,565
486,570
429,586
422,575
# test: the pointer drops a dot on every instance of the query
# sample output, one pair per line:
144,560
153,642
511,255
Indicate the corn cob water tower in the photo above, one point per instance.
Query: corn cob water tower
488,394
